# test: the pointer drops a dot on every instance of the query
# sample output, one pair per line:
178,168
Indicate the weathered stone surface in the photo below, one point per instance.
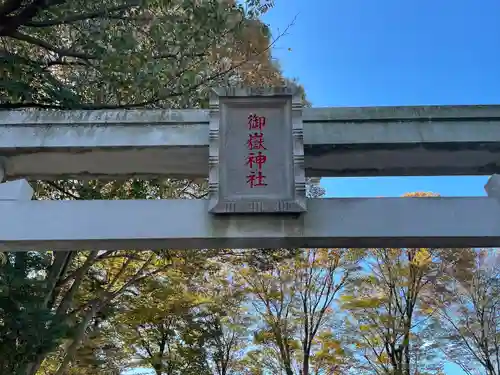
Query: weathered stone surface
378,141
187,224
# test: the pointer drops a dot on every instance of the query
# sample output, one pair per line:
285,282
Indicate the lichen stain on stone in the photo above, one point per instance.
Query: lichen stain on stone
42,132
102,117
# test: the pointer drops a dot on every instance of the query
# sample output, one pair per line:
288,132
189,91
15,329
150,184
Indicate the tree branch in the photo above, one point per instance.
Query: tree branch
79,276
60,189
176,55
60,62
9,6
10,106
41,43
155,99
9,24
82,17
193,87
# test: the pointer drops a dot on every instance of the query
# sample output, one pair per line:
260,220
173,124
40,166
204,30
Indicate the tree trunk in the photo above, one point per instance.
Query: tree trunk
305,363
288,365
80,334
33,367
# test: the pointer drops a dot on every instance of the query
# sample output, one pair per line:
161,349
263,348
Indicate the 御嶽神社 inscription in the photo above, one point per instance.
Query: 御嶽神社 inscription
256,157
256,151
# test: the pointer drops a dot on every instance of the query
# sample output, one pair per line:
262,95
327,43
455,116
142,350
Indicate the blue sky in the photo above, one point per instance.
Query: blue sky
392,52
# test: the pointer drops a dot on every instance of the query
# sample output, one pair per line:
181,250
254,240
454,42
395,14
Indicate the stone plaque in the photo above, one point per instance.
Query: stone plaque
256,153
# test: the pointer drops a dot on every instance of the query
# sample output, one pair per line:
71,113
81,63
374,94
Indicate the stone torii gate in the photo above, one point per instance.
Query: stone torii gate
256,147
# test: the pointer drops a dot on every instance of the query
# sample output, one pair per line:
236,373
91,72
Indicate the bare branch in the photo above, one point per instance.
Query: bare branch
10,105
103,13
60,62
60,189
41,43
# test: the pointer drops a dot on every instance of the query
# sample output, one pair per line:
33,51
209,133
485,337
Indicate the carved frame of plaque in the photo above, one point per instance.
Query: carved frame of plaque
291,100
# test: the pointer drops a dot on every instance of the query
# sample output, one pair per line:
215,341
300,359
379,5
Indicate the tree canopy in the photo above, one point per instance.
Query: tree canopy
129,53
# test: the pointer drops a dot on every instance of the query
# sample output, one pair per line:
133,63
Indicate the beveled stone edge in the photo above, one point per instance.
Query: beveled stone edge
298,152
213,151
262,206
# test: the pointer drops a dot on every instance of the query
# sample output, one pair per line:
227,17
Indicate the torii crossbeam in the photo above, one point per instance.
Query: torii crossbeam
186,224
338,142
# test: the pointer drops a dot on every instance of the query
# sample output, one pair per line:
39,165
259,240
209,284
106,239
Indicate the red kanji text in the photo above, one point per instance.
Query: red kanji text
256,122
256,179
256,141
256,160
